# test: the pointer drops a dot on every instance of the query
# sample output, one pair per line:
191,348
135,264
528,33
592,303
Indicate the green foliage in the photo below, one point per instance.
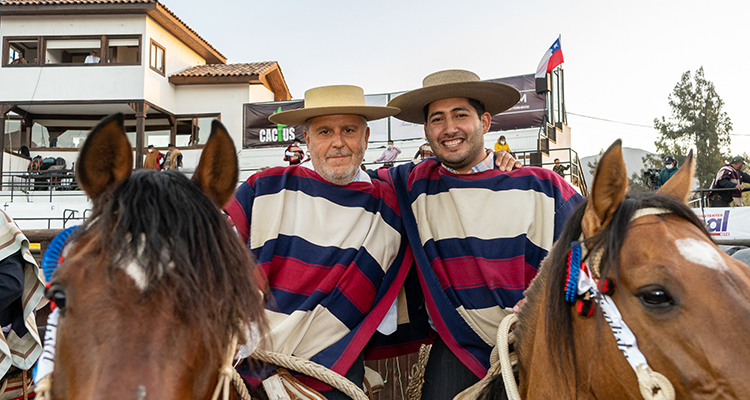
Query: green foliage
698,122
592,165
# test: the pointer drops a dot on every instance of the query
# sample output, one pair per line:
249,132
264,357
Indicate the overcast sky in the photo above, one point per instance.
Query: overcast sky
622,59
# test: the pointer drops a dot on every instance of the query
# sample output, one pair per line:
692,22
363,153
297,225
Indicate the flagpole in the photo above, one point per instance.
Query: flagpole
562,88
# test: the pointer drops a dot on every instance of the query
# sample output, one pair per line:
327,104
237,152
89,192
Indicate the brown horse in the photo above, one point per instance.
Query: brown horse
686,302
155,285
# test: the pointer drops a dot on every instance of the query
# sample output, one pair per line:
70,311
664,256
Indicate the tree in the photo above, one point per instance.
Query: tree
592,164
697,122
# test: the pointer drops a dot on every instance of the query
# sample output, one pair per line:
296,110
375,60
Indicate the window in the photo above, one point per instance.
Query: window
124,51
157,57
22,51
57,137
194,130
76,50
73,51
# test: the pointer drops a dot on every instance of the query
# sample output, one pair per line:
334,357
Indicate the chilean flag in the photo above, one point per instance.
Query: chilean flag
551,59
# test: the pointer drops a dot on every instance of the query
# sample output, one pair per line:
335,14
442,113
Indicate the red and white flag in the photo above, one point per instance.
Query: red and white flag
551,59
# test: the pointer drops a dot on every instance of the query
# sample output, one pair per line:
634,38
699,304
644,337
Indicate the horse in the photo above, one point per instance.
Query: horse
685,301
155,285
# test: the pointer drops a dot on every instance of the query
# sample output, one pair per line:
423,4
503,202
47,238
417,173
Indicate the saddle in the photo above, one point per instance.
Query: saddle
16,385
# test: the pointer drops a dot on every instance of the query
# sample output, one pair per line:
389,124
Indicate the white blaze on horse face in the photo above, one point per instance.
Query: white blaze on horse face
701,253
135,271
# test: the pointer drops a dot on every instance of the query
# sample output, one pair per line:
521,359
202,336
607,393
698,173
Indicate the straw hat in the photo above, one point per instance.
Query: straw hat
333,100
496,97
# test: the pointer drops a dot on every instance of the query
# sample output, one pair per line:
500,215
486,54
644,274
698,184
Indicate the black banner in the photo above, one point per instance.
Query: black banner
259,131
528,112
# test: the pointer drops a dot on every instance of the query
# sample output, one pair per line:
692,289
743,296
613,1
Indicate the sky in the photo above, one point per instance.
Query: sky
622,59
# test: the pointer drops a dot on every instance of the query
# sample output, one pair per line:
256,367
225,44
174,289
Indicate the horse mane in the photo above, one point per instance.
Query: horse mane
558,313
186,248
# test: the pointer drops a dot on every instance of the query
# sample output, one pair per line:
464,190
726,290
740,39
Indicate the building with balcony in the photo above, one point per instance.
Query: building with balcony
68,63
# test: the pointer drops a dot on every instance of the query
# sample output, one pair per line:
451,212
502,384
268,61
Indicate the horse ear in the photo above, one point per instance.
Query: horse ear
607,192
106,157
679,186
217,172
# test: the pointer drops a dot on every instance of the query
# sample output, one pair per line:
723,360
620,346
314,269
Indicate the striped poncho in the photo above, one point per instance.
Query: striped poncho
21,346
478,240
333,256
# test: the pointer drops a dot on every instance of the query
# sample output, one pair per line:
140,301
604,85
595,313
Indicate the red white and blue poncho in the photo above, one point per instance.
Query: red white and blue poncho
478,240
333,256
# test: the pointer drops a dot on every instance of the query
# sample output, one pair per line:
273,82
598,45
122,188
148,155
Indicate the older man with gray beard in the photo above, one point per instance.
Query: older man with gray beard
327,239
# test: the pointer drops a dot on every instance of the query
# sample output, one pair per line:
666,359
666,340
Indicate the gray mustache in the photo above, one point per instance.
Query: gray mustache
339,153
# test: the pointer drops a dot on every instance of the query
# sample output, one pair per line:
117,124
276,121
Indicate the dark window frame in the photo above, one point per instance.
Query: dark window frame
193,138
42,50
6,50
163,69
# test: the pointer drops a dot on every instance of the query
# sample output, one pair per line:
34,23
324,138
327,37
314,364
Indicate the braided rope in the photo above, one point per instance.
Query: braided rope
503,337
239,385
312,370
226,373
44,388
416,379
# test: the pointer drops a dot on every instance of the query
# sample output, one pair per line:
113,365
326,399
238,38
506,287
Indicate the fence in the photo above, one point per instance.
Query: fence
31,184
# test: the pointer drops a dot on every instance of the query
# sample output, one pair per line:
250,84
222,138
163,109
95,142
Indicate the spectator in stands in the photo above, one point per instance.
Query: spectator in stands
293,153
92,58
21,291
502,144
154,159
389,155
24,151
173,159
559,168
670,168
425,151
729,176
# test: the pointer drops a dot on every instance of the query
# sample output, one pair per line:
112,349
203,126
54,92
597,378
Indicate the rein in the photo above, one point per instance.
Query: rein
583,281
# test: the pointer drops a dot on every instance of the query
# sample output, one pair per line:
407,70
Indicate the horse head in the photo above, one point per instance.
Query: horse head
686,302
154,286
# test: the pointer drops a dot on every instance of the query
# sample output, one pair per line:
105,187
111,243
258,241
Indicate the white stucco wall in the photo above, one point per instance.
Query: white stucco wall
225,99
72,82
178,57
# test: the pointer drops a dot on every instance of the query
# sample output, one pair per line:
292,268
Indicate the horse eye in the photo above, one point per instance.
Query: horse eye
56,295
656,297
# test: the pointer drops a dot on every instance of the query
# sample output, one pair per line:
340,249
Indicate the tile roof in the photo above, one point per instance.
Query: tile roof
63,2
100,2
246,69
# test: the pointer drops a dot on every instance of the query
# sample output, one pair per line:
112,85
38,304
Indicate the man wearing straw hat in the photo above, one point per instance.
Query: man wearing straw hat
478,233
327,238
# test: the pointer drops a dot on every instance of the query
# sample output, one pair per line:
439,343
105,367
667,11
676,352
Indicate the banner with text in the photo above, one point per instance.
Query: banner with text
726,224
528,112
259,131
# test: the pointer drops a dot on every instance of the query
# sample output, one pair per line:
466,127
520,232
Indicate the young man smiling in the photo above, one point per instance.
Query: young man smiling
478,233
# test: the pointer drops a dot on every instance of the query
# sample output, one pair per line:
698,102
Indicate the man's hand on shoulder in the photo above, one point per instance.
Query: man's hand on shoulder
505,161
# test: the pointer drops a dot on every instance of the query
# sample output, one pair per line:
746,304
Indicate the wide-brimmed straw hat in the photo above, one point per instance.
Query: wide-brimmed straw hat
496,97
333,100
